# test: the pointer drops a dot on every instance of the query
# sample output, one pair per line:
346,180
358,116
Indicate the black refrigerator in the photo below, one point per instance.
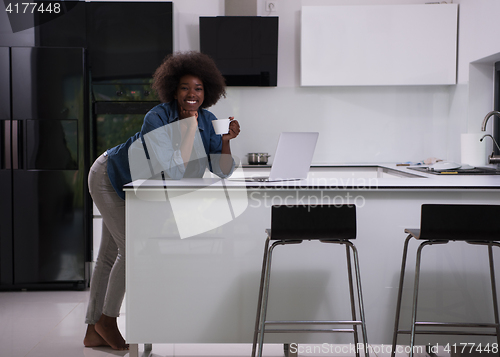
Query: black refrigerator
70,88
43,228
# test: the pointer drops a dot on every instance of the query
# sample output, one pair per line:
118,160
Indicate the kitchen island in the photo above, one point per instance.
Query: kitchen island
194,255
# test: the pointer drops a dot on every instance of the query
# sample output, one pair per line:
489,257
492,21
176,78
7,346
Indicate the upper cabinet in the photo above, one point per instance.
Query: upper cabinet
379,45
244,48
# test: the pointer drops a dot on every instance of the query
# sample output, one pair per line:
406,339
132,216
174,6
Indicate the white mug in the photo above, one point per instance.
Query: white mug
221,126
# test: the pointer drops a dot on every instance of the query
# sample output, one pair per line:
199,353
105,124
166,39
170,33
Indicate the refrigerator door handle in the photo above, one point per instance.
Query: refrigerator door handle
6,136
16,144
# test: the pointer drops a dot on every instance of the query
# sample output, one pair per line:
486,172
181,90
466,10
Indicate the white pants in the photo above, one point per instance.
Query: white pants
107,287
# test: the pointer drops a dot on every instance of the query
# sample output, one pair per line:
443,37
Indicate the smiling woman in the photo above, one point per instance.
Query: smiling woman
168,75
177,140
189,96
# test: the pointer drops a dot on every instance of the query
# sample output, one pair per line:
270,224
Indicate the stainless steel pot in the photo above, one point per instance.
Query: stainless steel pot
258,158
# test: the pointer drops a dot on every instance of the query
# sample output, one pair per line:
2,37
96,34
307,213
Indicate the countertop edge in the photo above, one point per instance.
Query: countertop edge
419,181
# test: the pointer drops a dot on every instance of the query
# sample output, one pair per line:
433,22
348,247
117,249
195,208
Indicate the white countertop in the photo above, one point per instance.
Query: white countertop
338,177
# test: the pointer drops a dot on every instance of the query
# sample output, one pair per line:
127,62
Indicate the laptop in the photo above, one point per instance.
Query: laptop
292,159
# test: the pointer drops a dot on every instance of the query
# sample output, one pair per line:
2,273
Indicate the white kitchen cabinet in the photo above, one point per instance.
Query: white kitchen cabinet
379,45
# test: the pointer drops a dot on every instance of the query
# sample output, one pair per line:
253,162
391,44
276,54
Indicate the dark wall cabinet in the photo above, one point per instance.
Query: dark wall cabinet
245,48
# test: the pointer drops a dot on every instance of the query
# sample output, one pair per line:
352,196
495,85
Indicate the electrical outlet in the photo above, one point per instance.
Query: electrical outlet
271,6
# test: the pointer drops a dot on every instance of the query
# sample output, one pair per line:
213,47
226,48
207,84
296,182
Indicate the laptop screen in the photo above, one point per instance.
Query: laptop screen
294,155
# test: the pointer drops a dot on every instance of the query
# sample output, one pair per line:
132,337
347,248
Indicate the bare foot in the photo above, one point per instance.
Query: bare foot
93,339
108,329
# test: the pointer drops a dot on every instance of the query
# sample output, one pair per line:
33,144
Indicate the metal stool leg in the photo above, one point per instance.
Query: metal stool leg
351,294
415,297
494,290
400,293
360,297
415,290
265,297
259,304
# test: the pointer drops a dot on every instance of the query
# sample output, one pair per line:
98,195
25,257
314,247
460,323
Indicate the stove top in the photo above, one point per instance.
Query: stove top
473,171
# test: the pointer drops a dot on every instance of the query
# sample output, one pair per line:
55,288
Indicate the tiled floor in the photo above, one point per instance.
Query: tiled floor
51,324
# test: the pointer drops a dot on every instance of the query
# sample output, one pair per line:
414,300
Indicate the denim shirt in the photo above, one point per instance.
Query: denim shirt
155,150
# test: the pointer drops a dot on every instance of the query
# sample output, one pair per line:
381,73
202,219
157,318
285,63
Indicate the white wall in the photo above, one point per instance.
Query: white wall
359,124
478,50
356,124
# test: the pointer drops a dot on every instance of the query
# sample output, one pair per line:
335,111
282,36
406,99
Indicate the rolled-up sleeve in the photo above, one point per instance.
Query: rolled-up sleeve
161,148
215,155
215,163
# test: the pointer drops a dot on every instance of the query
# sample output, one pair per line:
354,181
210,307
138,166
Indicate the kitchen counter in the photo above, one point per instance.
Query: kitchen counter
194,255
342,177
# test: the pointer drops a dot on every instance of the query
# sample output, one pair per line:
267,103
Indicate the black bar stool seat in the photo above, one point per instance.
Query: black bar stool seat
292,224
440,224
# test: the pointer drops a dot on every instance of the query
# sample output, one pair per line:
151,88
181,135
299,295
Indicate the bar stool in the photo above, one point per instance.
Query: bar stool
439,224
292,225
